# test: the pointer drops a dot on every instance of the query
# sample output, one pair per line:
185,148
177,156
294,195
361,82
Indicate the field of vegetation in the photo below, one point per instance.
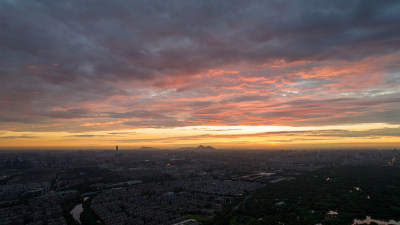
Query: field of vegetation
336,195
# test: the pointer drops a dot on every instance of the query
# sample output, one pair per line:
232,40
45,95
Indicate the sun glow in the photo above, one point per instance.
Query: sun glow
219,136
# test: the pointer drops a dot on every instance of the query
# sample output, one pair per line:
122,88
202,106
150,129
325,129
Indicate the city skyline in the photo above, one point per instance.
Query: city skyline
169,74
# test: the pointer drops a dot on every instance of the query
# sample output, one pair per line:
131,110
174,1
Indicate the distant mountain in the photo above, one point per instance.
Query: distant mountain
204,148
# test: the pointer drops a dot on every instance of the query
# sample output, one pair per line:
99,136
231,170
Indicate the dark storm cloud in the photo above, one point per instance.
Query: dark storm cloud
143,39
58,53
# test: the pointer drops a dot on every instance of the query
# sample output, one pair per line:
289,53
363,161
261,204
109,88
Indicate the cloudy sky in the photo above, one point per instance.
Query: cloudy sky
242,74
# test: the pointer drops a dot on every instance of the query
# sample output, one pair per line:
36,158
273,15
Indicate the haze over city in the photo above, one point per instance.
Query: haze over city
230,74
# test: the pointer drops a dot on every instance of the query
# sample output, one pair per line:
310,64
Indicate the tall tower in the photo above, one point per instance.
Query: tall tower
117,157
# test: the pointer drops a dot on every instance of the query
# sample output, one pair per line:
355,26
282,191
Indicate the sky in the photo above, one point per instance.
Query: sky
231,74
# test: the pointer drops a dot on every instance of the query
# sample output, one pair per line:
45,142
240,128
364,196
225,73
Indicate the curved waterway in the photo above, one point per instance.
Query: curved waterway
77,210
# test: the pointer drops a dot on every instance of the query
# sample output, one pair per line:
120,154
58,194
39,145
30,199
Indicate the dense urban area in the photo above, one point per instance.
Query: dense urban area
199,185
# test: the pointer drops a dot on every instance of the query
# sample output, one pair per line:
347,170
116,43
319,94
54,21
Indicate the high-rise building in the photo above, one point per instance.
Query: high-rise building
117,154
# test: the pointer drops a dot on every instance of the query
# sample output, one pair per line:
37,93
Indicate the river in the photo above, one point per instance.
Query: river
77,210
76,213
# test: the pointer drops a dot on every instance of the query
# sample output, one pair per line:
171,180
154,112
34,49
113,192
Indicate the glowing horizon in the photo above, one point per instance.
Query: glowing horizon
218,136
245,74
